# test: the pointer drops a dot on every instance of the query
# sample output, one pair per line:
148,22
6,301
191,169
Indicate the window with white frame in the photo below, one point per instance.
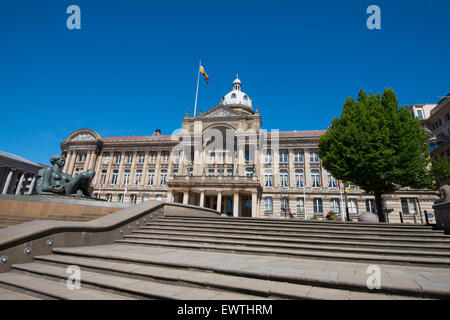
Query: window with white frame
268,205
298,156
230,172
315,178
141,157
300,205
190,171
109,197
117,157
106,158
210,172
129,158
126,177
284,203
284,181
165,157
115,177
268,178
121,197
249,172
175,172
317,206
352,207
284,156
335,205
314,157
151,177
103,177
152,157
370,206
163,178
409,207
133,198
138,178
332,182
299,178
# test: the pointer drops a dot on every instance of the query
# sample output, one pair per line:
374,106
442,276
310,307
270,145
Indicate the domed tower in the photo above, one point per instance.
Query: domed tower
236,99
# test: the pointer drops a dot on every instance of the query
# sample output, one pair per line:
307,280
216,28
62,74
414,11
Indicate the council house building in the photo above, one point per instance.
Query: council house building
224,159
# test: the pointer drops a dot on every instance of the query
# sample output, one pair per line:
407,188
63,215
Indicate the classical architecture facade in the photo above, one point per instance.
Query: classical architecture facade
18,175
224,159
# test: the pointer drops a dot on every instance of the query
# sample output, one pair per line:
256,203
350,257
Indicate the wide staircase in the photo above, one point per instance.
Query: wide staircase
187,257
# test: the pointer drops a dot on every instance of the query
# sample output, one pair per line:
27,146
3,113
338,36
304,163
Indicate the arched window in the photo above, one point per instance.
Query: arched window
245,97
233,96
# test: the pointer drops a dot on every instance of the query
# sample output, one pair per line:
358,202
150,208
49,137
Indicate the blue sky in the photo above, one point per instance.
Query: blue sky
132,67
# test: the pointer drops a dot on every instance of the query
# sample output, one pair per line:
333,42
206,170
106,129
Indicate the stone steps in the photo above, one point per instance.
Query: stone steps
206,278
51,289
331,274
287,229
119,284
288,241
329,225
8,293
331,253
300,232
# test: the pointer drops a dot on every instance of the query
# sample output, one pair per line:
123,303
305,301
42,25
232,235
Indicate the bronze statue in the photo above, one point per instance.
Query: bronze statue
55,181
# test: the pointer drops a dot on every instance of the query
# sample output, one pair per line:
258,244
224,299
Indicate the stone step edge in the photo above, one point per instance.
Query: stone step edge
317,282
287,232
282,220
425,228
342,256
253,290
107,285
298,246
299,235
365,243
292,228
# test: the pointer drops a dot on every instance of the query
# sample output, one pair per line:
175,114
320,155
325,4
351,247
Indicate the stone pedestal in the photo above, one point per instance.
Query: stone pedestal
442,215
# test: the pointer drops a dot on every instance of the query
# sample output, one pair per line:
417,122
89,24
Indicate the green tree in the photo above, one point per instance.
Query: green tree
376,145
439,172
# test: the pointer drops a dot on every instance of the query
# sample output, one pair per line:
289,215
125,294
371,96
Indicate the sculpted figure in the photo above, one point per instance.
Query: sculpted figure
444,193
55,181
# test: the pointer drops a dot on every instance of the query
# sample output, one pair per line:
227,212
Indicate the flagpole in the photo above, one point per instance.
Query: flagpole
196,93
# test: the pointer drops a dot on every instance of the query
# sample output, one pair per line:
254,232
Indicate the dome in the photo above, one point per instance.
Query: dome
236,96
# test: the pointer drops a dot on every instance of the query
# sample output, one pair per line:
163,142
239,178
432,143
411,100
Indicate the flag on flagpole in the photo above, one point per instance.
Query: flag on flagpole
204,74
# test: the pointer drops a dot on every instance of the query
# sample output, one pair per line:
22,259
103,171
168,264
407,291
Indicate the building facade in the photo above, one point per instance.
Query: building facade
224,159
18,175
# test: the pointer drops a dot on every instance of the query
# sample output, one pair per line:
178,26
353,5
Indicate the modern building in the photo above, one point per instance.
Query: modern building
224,159
18,175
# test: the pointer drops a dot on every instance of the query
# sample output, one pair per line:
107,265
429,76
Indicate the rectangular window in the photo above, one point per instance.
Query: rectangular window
314,157
109,197
268,178
249,172
126,177
300,206
370,206
152,158
129,158
163,179
118,157
103,177
352,207
299,178
315,177
121,197
409,207
151,177
141,157
298,156
268,205
284,178
332,183
335,205
165,157
114,177
210,172
284,156
138,177
317,206
133,198
106,158
190,172
419,114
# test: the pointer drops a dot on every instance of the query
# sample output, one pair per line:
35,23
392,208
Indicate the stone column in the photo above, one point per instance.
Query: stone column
87,161
93,159
254,205
19,184
72,162
33,181
97,162
202,199
307,172
8,181
236,205
109,170
219,201
186,197
67,162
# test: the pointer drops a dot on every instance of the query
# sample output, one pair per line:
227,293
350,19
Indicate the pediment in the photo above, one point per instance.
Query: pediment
220,112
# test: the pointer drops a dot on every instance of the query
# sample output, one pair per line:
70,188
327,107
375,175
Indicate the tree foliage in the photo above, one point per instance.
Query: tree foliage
376,145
